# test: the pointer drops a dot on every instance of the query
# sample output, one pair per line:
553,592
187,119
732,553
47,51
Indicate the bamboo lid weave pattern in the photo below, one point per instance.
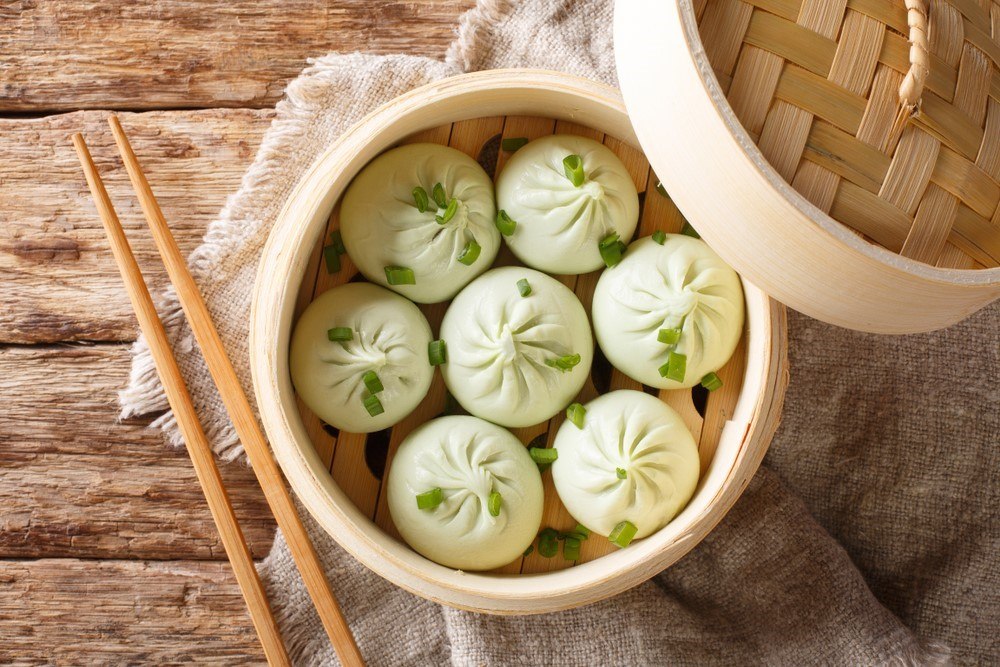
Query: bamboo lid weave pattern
817,84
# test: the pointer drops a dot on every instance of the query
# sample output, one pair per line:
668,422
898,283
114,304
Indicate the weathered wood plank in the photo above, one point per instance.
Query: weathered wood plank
74,482
57,279
80,612
119,54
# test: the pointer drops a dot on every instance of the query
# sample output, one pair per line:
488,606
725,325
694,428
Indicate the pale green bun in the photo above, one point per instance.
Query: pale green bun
468,459
382,226
390,337
560,225
648,440
681,283
500,345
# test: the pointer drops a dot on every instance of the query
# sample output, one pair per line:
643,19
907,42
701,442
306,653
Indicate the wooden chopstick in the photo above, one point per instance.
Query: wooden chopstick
238,407
187,419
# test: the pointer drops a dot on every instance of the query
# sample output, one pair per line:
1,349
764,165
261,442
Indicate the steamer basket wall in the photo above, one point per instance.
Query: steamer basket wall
454,111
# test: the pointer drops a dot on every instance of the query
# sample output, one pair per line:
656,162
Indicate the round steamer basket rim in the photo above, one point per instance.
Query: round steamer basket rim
300,225
637,55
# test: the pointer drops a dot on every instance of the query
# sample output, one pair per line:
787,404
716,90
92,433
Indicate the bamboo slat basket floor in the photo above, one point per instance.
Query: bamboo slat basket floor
338,475
882,117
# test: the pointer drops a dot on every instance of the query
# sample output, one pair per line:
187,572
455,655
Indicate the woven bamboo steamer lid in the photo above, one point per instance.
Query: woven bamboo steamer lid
842,154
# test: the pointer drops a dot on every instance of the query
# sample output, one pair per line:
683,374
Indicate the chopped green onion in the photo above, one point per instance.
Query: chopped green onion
511,144
573,166
332,258
675,368
621,473
437,192
400,275
669,336
340,334
659,237
571,548
493,504
373,405
575,413
688,230
505,223
563,363
527,552
543,456
662,190
428,500
449,213
470,253
437,352
337,241
711,381
611,249
548,543
623,533
524,287
581,533
420,198
372,382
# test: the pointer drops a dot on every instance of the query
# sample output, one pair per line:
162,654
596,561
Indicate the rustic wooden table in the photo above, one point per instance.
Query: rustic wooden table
107,551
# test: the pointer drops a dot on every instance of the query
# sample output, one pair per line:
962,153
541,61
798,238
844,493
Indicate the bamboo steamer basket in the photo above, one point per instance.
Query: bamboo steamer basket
852,176
336,474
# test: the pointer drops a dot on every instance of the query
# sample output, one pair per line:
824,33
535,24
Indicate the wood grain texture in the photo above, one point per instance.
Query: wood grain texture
75,482
170,54
68,611
58,281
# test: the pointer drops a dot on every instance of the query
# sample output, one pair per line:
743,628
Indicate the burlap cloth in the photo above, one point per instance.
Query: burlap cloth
869,537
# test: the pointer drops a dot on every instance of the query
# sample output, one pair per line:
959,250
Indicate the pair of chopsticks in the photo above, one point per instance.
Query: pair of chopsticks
237,405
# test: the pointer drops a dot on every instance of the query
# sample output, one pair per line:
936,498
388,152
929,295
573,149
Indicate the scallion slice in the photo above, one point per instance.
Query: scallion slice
337,241
623,533
372,382
449,213
662,190
688,230
437,352
575,413
470,253
611,249
659,237
563,363
581,532
332,259
428,500
543,456
511,144
621,473
437,192
711,381
527,552
571,548
669,336
400,275
420,199
373,405
523,287
494,502
340,334
505,223
573,167
548,543
675,368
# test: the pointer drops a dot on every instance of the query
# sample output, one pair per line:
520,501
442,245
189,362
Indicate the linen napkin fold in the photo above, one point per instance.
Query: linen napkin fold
890,442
